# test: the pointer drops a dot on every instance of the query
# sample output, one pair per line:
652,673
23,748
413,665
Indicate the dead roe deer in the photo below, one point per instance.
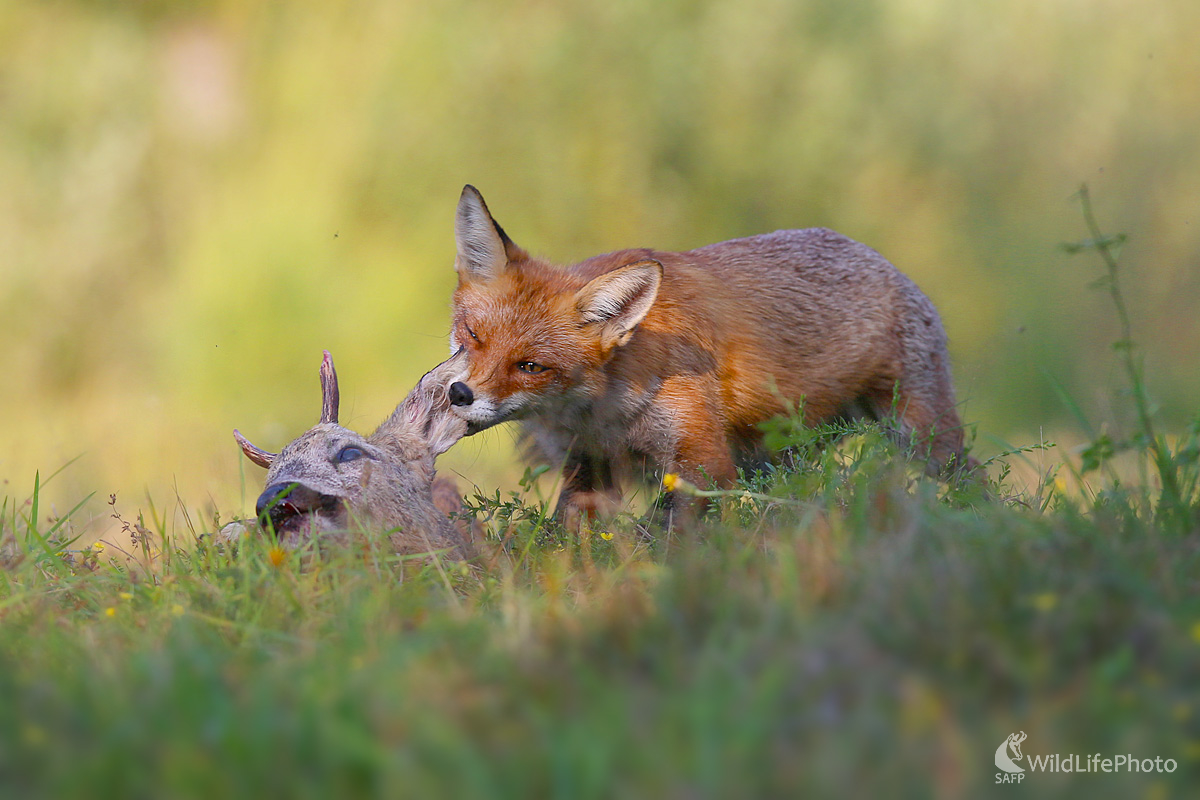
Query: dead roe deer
330,479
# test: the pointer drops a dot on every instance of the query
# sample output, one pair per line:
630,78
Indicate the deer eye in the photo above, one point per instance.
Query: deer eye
350,453
532,367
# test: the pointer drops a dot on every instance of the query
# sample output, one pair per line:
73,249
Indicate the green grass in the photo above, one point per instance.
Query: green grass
871,639
838,627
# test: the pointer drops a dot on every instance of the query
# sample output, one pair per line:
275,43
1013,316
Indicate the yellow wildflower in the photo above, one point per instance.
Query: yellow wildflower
606,536
670,481
98,547
1046,601
276,556
110,612
125,596
34,735
177,610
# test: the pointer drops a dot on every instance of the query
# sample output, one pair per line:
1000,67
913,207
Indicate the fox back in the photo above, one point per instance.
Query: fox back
669,361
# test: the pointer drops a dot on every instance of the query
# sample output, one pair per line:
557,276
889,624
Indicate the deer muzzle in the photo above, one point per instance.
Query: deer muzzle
286,505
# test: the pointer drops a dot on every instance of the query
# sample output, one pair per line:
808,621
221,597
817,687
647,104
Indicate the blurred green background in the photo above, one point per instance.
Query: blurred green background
196,198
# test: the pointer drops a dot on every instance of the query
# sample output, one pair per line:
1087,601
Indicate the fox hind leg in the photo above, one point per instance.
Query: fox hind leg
923,414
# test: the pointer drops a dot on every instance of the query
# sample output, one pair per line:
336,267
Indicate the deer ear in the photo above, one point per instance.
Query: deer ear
617,301
443,432
257,455
427,407
484,249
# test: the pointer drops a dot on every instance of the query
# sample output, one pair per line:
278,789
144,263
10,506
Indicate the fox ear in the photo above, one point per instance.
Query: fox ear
484,249
619,300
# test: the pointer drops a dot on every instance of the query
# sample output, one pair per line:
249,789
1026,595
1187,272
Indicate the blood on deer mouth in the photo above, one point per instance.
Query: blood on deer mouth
299,506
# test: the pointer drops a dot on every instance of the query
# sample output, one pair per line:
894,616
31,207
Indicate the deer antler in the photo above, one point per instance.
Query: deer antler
329,390
1021,738
255,454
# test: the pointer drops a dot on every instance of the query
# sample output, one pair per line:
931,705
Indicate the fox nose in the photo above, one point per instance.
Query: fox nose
460,394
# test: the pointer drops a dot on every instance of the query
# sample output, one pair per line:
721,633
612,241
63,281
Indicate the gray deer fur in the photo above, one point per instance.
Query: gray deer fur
331,479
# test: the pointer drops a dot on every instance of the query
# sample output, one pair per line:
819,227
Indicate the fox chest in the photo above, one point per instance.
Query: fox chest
622,428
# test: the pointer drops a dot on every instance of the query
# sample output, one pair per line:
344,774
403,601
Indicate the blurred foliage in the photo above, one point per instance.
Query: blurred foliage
196,198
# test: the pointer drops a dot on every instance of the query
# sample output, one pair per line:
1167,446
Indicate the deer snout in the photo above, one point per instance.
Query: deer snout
460,394
283,502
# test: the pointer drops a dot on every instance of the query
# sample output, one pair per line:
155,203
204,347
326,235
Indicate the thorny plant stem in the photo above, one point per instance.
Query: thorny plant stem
672,482
1104,246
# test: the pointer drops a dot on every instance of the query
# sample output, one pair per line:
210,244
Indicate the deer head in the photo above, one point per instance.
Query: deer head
331,477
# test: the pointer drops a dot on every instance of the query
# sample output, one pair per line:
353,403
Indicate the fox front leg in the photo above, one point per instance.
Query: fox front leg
702,457
588,490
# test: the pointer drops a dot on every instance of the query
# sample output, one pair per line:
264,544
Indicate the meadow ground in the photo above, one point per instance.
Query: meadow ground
838,627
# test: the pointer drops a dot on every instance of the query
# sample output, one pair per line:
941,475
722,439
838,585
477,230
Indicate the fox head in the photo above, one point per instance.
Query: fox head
535,334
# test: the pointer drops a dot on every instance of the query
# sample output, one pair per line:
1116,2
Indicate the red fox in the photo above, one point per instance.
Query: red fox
667,362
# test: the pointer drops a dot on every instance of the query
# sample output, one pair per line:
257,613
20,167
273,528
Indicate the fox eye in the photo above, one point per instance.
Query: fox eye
532,367
350,453
471,332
